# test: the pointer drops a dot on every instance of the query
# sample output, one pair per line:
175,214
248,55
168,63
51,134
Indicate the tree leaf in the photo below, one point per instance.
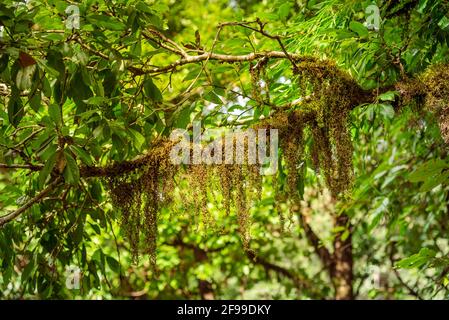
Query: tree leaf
444,23
96,100
284,10
428,170
35,101
113,264
388,96
46,170
15,109
212,97
106,22
151,90
3,62
24,78
138,138
55,114
82,154
359,28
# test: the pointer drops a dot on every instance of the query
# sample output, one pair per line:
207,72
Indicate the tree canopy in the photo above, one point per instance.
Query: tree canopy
92,91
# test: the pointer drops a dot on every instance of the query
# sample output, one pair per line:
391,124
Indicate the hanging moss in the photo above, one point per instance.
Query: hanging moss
334,94
139,192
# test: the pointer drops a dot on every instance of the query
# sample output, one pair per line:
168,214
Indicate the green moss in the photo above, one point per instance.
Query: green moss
436,82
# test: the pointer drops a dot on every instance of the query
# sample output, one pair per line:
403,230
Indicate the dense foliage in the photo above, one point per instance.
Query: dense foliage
91,91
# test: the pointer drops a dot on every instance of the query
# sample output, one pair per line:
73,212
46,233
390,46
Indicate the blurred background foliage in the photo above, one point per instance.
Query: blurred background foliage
398,205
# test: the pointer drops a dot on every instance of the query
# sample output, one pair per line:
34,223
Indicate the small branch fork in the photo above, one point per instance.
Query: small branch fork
172,46
261,25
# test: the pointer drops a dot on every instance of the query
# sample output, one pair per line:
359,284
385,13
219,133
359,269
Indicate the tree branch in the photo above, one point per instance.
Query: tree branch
224,58
32,167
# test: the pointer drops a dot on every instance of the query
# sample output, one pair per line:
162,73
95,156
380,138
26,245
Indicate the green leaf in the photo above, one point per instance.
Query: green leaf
444,23
71,171
118,145
378,213
15,110
83,155
142,6
359,28
385,110
96,228
183,118
96,101
46,87
284,10
428,170
24,78
110,82
422,6
77,234
106,22
417,260
99,257
55,114
113,264
46,170
212,97
27,270
55,61
388,96
138,139
79,90
434,181
35,101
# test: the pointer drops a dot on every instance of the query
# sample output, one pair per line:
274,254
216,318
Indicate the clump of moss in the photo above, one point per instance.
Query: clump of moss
325,118
336,94
256,70
142,187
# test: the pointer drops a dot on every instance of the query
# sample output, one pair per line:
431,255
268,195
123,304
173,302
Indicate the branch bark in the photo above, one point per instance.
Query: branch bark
32,167
224,58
